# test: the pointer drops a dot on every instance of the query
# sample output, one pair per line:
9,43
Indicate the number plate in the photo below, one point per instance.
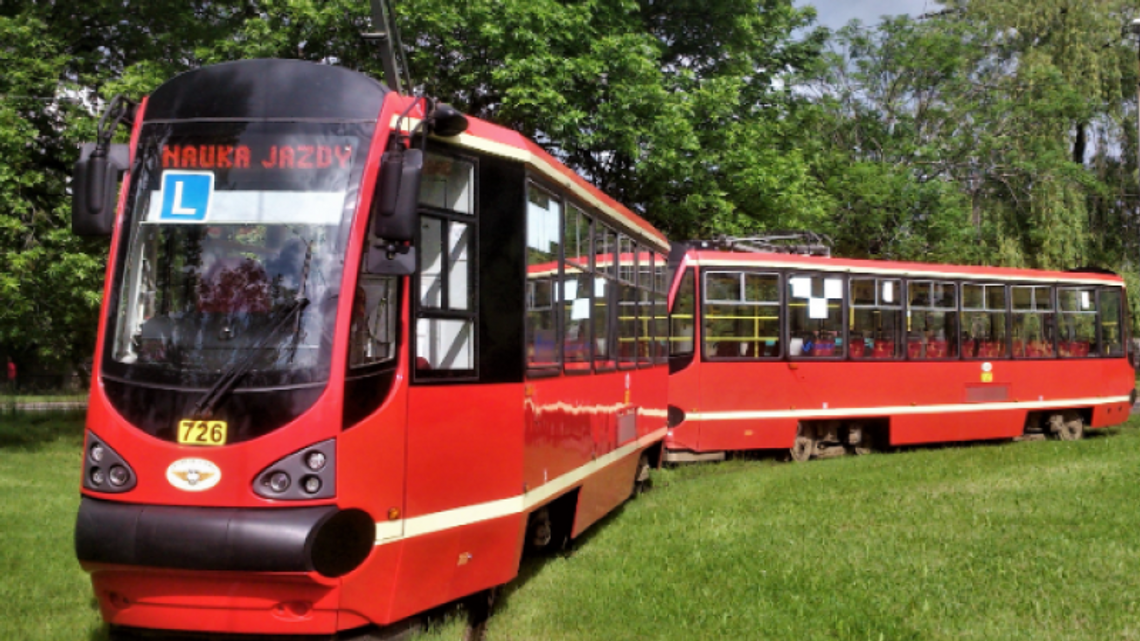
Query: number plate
191,432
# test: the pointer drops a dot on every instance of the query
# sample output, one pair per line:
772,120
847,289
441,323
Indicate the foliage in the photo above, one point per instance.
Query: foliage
992,132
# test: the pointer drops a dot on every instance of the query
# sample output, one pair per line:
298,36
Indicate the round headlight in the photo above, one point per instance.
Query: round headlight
118,475
97,452
98,476
316,460
279,482
311,484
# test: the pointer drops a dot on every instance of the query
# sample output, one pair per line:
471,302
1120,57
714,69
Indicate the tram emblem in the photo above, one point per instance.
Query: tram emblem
193,474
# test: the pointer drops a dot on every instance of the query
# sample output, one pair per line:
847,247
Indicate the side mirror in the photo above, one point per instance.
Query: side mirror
95,189
397,194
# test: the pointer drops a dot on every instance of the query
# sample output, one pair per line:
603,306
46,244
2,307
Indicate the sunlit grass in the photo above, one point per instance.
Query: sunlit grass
1010,541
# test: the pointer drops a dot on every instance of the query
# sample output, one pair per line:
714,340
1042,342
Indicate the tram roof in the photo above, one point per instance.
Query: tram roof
894,268
500,141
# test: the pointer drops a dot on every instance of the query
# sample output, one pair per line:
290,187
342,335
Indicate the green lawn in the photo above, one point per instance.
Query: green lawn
1012,541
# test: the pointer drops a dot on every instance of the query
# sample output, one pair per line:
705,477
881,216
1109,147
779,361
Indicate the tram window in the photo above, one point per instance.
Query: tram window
447,184
444,344
372,337
1111,323
932,320
604,287
576,281
1033,321
543,240
644,308
627,301
815,316
984,321
660,310
742,315
1078,308
875,319
445,338
682,318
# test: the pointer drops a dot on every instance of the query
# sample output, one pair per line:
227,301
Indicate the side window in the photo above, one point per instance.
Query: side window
446,314
576,290
627,301
815,315
1077,338
605,272
932,320
644,307
543,241
1033,321
741,315
1111,322
660,309
682,318
372,337
984,319
876,318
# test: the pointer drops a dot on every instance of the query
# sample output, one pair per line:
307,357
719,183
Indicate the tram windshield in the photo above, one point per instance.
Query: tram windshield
237,233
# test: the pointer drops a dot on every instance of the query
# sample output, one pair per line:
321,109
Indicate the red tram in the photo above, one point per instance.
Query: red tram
823,356
340,381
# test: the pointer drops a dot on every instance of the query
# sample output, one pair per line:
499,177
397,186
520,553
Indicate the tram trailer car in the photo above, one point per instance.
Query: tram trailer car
297,427
823,356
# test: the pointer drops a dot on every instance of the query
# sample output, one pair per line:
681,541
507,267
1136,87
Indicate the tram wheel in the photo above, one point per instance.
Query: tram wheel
864,439
1067,426
642,480
804,447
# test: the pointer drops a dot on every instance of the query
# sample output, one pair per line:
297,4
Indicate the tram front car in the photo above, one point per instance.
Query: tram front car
228,486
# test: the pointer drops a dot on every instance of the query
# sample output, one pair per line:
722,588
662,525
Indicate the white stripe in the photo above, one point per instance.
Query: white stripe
252,207
901,409
822,266
522,155
389,531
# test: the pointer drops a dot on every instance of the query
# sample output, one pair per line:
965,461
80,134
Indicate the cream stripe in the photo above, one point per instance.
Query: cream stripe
824,267
901,409
390,531
511,152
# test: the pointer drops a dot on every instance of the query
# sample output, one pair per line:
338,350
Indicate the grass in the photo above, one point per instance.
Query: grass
1011,541
43,593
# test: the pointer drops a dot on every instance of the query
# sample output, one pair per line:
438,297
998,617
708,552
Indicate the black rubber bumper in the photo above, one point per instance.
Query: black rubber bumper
323,539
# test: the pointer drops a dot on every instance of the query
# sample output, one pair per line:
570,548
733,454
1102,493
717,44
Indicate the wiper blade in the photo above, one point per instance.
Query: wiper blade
205,406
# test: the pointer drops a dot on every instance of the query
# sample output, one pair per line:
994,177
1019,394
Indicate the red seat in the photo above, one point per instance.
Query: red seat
914,349
936,349
883,349
858,348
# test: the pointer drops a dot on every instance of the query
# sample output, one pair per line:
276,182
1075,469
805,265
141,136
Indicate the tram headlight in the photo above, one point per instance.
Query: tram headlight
311,484
279,482
304,475
104,470
118,475
315,460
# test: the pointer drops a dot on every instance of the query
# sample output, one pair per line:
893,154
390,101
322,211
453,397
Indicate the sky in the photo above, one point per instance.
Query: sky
836,13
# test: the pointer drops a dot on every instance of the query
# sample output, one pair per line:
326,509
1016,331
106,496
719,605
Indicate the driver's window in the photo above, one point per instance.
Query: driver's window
372,334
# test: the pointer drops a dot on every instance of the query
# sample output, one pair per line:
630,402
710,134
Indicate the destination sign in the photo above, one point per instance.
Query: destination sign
271,156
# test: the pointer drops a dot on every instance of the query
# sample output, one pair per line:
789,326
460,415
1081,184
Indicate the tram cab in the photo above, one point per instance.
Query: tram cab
331,388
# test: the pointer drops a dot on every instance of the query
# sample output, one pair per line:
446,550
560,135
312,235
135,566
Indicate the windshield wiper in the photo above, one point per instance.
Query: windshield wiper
205,406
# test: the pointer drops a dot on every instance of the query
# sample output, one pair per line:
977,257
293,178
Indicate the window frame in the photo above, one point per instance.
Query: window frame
1052,286
418,311
703,303
900,339
787,317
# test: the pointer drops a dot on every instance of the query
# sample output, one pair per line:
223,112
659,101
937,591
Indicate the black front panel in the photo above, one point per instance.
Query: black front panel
221,539
268,89
249,413
502,270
